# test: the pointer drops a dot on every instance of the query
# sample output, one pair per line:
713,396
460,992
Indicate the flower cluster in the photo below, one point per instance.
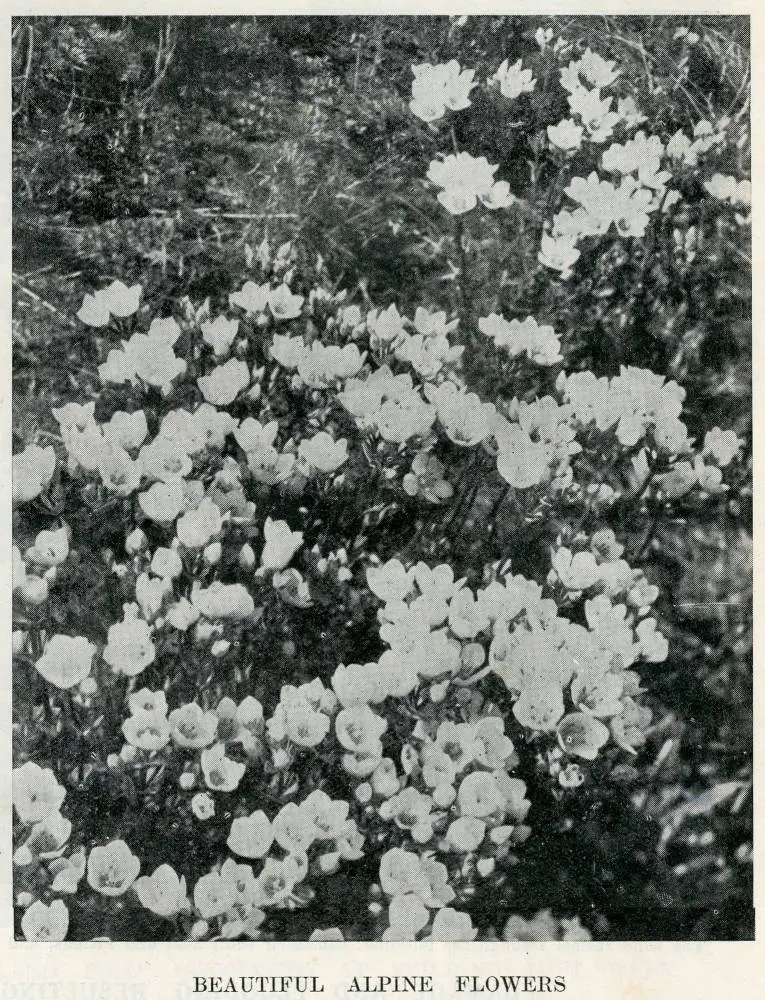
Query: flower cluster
436,89
465,180
287,665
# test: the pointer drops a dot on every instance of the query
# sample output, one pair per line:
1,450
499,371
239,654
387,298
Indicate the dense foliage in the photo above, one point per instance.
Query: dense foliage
375,575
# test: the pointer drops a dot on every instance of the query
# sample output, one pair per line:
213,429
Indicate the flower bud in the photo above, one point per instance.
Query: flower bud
220,647
444,795
34,590
22,856
281,758
199,930
18,642
329,863
205,631
485,866
364,792
128,753
136,542
88,687
438,692
247,557
186,781
212,554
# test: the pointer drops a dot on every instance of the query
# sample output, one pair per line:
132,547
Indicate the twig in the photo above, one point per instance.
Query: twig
27,69
43,302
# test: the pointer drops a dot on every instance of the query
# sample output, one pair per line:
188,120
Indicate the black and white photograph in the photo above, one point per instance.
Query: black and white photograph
381,479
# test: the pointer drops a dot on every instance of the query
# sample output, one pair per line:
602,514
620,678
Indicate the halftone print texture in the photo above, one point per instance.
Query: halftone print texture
382,478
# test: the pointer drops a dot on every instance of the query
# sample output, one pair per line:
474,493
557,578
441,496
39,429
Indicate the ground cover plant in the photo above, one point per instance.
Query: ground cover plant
352,596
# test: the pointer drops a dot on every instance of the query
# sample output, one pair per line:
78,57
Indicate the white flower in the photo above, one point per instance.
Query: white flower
127,430
283,304
466,420
45,923
220,772
118,471
166,563
581,734
116,300
626,207
566,135
721,446
203,807
539,342
166,329
465,180
152,360
163,502
113,868
390,582
120,300
129,648
162,892
252,298
67,872
148,701
433,324
50,548
287,351
386,325
223,600
196,528
404,417
642,155
436,88
251,435
162,459
93,311
359,684
358,728
451,925
181,615
251,836
74,415
514,80
323,453
281,545
116,369
726,188
150,594
193,727
329,934
294,829
147,730
653,645
31,473
407,915
35,791
225,382
559,253
66,660
590,68
322,366
220,334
